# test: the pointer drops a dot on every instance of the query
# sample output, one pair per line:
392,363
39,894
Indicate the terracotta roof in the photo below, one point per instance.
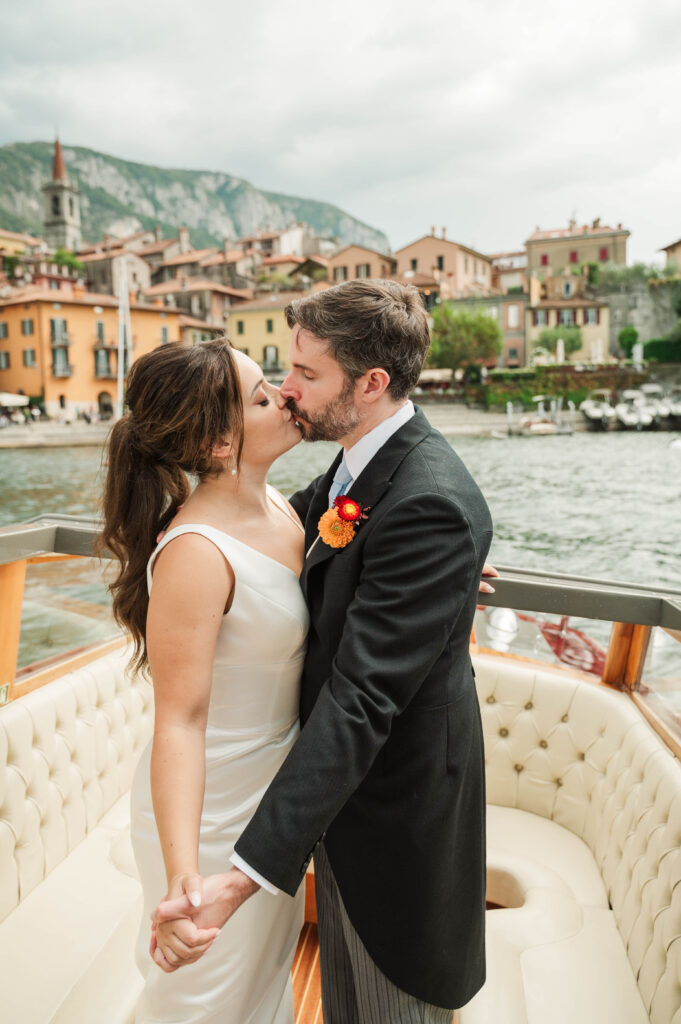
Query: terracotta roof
507,255
445,241
109,254
364,248
665,248
192,321
233,256
323,261
274,301
19,237
82,299
58,165
137,234
193,256
154,247
271,261
196,284
578,231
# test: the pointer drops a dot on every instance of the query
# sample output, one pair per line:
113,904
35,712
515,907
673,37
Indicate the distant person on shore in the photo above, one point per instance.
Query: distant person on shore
385,784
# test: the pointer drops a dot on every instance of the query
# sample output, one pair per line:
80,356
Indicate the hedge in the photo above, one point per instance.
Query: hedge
662,350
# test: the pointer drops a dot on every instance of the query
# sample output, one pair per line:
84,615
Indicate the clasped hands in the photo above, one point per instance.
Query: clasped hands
186,923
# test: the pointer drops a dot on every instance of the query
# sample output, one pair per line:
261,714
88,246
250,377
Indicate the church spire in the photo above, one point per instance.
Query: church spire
58,165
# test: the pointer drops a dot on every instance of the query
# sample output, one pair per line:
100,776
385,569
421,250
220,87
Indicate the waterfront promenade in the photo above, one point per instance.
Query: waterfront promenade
453,420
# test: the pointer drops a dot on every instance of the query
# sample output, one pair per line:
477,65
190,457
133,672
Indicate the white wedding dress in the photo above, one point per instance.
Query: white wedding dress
244,978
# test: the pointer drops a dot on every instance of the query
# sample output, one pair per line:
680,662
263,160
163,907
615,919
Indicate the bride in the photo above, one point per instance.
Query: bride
223,632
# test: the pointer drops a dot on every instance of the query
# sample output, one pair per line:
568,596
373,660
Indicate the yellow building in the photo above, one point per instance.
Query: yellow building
259,329
551,252
13,243
63,349
673,252
592,318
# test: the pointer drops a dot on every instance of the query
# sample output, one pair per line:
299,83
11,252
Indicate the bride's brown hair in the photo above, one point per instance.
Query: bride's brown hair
182,402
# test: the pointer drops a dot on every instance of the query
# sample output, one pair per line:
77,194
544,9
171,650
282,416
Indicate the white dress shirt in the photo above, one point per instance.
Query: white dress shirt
356,460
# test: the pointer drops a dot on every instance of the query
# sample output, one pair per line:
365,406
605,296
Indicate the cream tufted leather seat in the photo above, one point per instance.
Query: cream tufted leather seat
584,849
68,912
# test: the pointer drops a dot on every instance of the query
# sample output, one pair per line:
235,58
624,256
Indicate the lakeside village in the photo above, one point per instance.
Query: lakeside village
562,323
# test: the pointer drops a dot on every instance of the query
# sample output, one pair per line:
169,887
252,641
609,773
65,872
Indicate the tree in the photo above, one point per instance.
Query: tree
460,337
65,258
627,338
572,339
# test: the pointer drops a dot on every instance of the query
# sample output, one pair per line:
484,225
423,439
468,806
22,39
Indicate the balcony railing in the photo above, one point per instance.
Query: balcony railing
62,371
63,341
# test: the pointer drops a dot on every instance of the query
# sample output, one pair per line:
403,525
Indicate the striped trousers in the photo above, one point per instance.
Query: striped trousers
354,991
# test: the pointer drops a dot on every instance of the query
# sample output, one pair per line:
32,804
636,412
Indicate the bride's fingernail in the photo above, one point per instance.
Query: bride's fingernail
195,898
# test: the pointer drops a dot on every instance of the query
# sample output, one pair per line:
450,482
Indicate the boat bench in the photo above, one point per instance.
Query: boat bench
69,906
584,854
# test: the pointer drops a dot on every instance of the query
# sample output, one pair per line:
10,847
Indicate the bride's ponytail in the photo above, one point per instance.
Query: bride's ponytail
182,401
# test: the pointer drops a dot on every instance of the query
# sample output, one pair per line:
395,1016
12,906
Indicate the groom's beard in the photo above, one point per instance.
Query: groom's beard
336,420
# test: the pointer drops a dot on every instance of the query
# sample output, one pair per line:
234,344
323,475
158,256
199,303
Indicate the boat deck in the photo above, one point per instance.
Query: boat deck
307,988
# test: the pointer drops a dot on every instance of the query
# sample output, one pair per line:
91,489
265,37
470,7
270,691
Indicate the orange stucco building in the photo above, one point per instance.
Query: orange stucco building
458,270
62,349
356,261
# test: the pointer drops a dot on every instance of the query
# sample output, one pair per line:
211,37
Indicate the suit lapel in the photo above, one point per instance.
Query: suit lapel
367,489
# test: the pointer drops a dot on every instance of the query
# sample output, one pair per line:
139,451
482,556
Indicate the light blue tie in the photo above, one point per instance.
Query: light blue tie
340,483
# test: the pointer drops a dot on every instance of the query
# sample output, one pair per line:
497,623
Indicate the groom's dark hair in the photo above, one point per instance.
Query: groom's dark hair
369,323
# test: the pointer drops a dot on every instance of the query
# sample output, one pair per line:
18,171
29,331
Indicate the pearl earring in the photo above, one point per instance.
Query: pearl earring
233,469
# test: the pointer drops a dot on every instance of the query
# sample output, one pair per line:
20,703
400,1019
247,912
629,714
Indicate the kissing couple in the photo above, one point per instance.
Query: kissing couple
314,693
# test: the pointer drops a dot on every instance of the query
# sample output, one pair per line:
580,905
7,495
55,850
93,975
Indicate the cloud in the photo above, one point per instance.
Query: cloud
487,116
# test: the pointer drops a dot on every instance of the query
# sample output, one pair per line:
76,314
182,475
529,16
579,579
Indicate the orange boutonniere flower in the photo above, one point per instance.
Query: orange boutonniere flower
338,524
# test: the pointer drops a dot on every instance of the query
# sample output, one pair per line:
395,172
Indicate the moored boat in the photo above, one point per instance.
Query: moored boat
632,411
598,410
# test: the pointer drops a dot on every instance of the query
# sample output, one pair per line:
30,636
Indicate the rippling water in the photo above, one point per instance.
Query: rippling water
594,505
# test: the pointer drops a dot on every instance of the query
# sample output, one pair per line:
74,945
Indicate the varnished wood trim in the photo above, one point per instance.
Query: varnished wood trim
618,653
667,733
310,898
306,978
41,559
637,656
58,666
12,579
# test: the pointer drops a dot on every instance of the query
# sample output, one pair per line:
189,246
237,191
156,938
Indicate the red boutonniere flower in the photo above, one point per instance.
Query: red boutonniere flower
338,524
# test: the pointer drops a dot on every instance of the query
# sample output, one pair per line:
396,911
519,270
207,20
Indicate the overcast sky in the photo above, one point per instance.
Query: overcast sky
489,117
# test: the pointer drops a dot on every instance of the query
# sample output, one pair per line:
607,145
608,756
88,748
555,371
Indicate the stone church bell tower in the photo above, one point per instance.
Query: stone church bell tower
62,207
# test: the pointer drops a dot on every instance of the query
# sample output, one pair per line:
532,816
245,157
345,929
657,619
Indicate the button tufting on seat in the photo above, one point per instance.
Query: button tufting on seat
491,699
529,705
543,744
564,718
559,782
581,755
518,768
503,732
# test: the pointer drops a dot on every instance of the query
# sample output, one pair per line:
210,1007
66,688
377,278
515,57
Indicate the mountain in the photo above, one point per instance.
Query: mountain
120,197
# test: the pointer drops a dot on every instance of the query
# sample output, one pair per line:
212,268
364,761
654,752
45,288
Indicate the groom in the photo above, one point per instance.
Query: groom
385,785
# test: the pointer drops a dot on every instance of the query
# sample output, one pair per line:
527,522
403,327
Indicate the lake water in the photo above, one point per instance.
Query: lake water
600,505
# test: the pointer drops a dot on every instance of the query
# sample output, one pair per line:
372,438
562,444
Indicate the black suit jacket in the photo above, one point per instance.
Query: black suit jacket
389,766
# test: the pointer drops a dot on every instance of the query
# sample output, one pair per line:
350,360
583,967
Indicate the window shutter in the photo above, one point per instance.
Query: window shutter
598,316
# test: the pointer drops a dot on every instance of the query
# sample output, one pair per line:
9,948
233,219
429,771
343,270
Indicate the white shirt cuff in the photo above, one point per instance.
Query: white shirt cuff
241,864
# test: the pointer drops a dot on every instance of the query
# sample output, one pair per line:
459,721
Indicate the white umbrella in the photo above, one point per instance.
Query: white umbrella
9,401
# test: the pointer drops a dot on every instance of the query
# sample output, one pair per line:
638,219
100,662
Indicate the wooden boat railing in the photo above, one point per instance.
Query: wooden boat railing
634,610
